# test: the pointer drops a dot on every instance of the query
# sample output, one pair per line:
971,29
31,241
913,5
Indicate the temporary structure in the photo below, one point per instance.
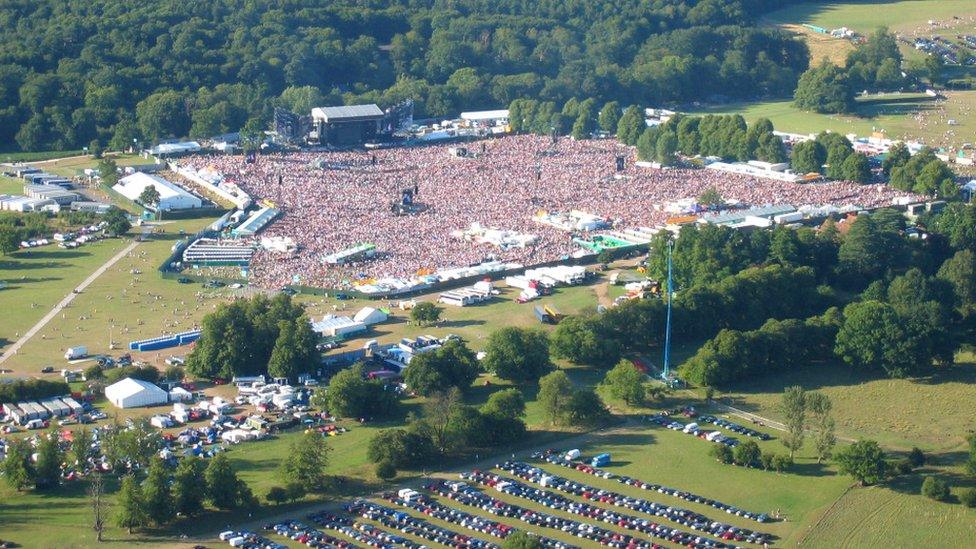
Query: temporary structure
134,393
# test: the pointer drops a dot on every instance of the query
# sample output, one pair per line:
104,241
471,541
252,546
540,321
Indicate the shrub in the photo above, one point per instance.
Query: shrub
935,488
782,462
722,453
916,457
968,497
903,466
386,470
276,495
766,460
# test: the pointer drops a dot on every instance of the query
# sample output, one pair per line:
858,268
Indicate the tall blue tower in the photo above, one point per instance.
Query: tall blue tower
666,373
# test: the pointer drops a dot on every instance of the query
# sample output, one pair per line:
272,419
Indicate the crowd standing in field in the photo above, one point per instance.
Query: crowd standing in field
332,201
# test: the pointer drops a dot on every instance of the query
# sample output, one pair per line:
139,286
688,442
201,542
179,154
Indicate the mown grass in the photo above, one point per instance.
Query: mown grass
118,304
39,278
867,15
893,515
932,413
36,156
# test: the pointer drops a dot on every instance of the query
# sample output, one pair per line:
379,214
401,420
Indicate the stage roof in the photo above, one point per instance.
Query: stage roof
347,113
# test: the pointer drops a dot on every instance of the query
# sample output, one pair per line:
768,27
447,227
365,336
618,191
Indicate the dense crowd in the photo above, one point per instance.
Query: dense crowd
332,201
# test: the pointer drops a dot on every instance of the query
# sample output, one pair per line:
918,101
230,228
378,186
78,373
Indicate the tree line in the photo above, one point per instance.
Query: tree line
74,73
730,138
909,318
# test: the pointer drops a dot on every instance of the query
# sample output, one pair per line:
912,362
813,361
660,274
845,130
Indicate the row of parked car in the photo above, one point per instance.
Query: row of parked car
248,540
693,429
408,524
462,493
557,459
735,427
468,495
307,535
364,533
553,500
685,517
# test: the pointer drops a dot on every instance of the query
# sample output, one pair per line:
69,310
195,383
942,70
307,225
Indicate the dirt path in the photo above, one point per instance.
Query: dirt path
64,302
602,291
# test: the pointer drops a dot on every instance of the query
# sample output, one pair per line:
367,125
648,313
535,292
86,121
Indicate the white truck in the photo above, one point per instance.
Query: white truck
74,353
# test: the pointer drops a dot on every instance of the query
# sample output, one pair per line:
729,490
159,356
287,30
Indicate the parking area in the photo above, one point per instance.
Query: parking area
478,509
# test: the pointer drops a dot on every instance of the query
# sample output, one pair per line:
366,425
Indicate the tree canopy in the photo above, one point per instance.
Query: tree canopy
173,69
260,335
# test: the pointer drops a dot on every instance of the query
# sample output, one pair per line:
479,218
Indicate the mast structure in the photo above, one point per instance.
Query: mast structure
666,373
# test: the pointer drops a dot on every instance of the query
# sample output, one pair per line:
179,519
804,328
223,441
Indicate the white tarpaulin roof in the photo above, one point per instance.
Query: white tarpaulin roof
476,116
131,393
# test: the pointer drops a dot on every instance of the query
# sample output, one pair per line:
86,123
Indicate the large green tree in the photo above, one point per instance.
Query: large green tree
584,341
157,494
517,354
825,88
306,461
18,469
349,394
129,505
451,365
163,114
864,461
49,459
189,486
626,383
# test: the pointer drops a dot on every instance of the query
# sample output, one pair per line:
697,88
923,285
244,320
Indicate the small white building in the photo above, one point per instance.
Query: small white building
171,195
135,393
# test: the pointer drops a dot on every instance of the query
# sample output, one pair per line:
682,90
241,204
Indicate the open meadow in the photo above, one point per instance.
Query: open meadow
39,278
933,413
865,16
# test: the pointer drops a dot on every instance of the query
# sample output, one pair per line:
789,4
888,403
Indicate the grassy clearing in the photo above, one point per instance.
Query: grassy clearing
822,45
119,304
71,167
867,15
884,516
11,185
41,156
39,278
901,116
932,413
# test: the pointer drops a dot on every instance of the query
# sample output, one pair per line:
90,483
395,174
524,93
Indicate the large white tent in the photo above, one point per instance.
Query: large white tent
370,316
135,393
171,195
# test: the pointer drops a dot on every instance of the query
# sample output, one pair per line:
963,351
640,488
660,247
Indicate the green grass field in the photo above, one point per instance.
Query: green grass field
47,275
933,413
71,167
39,278
867,15
17,156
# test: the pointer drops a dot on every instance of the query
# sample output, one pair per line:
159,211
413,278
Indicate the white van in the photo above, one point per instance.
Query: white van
690,427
